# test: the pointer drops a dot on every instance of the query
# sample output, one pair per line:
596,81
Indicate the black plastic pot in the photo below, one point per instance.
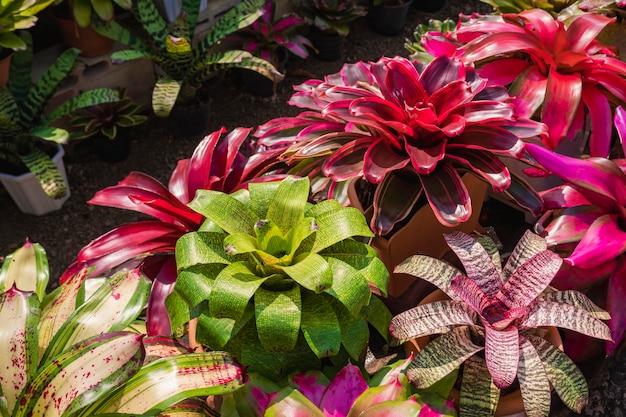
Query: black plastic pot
112,150
189,121
261,86
430,5
388,19
329,46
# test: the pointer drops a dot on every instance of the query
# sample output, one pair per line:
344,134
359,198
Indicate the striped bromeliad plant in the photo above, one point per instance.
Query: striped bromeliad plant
491,325
70,352
185,64
222,161
24,121
277,281
409,130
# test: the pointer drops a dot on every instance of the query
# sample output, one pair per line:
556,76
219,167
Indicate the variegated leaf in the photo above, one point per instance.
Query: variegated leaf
469,291
502,355
431,318
549,313
576,299
533,381
164,96
567,380
27,269
441,356
78,376
492,249
19,314
479,395
433,270
477,262
528,246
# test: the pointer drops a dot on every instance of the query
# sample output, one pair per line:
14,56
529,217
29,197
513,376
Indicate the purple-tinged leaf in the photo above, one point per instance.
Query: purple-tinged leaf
548,313
406,408
563,96
616,296
533,381
528,280
620,125
157,318
347,162
563,196
392,391
448,196
524,195
501,355
503,71
600,111
485,166
529,90
488,138
19,313
454,94
605,240
440,73
289,402
380,159
393,201
528,246
476,261
311,384
342,391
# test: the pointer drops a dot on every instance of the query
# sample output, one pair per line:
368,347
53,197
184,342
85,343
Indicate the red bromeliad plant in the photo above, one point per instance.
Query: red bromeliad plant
586,222
409,130
221,163
497,310
557,73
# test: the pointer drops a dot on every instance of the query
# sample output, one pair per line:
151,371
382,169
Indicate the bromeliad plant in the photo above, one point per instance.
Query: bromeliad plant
267,35
516,6
331,16
220,162
557,74
185,64
408,129
498,310
348,394
277,281
69,352
24,123
16,15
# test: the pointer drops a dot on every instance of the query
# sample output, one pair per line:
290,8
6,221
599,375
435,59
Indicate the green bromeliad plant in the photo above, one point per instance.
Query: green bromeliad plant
492,325
71,352
184,63
277,281
24,122
16,15
516,6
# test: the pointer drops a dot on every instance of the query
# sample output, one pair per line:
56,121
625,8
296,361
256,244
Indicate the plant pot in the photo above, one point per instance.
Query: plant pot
112,150
27,193
422,234
87,40
189,121
261,86
430,5
510,404
388,19
5,66
328,45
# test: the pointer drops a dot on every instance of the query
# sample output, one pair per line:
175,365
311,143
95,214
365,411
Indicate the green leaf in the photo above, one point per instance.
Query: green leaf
224,210
533,381
339,225
166,381
201,248
51,134
433,270
378,315
47,173
278,316
233,290
87,98
164,96
262,195
288,203
348,286
27,269
239,243
289,401
270,238
312,272
19,314
320,325
77,377
299,234
479,395
113,307
81,10
218,332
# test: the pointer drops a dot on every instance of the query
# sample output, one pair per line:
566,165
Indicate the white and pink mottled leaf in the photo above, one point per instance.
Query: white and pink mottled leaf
548,313
433,270
528,246
470,293
533,381
576,299
502,355
432,318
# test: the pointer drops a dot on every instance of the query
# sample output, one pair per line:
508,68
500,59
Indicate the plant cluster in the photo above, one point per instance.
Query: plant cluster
331,16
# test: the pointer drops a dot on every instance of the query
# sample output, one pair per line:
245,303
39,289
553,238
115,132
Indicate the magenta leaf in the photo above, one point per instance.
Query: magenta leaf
447,195
563,95
342,391
502,355
605,240
600,111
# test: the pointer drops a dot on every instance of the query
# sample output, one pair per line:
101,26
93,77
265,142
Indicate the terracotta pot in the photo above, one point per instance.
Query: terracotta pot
422,234
5,66
90,42
510,404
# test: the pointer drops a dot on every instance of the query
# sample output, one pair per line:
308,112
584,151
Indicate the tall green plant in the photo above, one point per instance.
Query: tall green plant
24,120
185,64
277,281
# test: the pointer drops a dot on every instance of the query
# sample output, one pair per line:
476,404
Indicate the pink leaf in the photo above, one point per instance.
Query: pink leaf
563,95
502,355
529,90
616,297
605,240
600,111
343,390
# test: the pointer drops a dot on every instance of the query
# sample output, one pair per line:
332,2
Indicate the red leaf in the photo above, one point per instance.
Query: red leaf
563,96
529,90
447,195
605,240
600,111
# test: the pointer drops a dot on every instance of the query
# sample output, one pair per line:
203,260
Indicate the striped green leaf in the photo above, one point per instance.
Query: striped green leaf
192,8
441,356
433,270
164,96
112,307
27,269
479,395
8,107
147,13
164,382
130,55
224,210
320,325
533,381
278,315
122,35
20,74
77,377
50,134
19,313
46,172
87,98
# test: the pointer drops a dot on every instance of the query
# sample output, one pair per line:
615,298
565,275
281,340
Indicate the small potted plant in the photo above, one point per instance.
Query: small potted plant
184,64
273,40
33,170
329,21
491,323
387,17
105,124
279,282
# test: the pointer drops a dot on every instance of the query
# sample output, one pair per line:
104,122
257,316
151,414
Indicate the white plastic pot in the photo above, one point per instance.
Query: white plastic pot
28,194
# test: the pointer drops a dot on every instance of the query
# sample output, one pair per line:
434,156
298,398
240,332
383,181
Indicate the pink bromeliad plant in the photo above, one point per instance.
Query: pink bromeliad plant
492,325
408,129
220,162
586,221
557,73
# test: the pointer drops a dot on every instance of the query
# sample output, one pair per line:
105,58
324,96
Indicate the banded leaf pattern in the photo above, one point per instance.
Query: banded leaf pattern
575,299
533,381
529,245
433,270
46,172
479,395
